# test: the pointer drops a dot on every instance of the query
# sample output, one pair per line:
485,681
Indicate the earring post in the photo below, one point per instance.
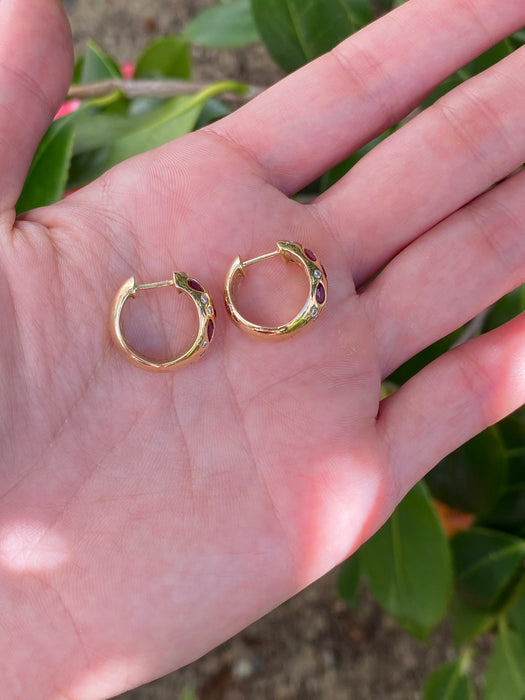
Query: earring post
154,285
261,258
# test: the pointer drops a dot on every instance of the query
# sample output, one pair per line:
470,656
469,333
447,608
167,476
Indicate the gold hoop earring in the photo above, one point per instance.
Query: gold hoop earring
292,252
205,310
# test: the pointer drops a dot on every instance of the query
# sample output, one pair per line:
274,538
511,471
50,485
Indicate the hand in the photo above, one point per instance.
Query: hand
145,518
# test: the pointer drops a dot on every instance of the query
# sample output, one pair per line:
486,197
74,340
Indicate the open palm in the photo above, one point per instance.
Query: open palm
145,518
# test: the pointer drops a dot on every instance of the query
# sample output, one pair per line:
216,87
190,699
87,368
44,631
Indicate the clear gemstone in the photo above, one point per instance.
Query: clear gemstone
204,299
205,344
210,310
317,274
314,311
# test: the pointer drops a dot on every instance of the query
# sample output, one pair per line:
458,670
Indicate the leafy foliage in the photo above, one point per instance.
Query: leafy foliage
416,573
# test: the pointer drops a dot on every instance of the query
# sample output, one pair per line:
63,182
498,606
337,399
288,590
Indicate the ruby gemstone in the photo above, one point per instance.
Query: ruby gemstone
210,329
320,294
311,256
193,284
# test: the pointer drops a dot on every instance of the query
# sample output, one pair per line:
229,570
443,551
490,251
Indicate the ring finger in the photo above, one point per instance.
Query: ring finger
450,274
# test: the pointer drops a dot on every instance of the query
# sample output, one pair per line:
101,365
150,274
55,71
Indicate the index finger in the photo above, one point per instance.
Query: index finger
315,118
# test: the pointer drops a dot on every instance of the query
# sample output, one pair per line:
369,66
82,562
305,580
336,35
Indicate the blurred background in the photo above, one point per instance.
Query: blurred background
315,645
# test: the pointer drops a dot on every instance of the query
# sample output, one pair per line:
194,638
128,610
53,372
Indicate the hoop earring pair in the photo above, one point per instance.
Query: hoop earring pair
292,252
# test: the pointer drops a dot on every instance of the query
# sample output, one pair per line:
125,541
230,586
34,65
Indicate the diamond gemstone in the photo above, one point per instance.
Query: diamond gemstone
317,274
204,298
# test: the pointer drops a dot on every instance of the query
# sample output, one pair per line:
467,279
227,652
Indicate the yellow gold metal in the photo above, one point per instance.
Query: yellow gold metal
205,310
292,252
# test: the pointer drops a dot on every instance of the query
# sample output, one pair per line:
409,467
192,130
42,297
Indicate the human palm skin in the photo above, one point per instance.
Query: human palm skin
145,518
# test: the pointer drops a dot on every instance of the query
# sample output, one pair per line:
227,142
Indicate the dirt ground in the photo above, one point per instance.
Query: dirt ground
313,646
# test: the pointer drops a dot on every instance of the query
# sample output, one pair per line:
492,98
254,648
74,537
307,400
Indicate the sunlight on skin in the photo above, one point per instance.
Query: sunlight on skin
29,547
347,504
102,680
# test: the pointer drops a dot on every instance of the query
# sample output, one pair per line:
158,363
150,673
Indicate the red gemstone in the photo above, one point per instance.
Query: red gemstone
311,256
210,330
193,284
320,294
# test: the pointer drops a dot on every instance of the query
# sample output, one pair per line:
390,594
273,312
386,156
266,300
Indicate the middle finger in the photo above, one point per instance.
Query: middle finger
442,159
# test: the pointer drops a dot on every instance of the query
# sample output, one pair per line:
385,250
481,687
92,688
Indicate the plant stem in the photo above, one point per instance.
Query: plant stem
155,88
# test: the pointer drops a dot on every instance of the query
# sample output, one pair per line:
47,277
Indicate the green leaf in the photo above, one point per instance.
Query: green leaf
295,31
506,308
213,110
188,693
228,25
516,611
509,512
165,58
97,65
488,564
468,622
47,177
348,579
512,430
423,358
473,477
505,674
408,564
103,140
450,681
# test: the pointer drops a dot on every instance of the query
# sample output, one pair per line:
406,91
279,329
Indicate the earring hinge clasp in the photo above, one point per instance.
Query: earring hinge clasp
260,258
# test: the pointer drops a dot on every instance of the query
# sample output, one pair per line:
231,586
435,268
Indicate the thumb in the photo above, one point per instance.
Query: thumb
35,69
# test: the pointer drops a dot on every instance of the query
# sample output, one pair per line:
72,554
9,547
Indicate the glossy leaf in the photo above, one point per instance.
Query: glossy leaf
228,25
168,57
423,358
468,622
295,31
348,579
488,564
104,140
408,564
47,177
96,65
212,110
505,308
516,611
450,681
472,478
512,430
509,512
505,674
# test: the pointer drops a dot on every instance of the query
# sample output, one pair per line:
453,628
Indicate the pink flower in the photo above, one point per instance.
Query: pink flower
67,108
127,70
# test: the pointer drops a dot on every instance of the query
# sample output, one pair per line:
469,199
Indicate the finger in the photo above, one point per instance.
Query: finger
452,399
316,117
35,69
449,154
450,274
